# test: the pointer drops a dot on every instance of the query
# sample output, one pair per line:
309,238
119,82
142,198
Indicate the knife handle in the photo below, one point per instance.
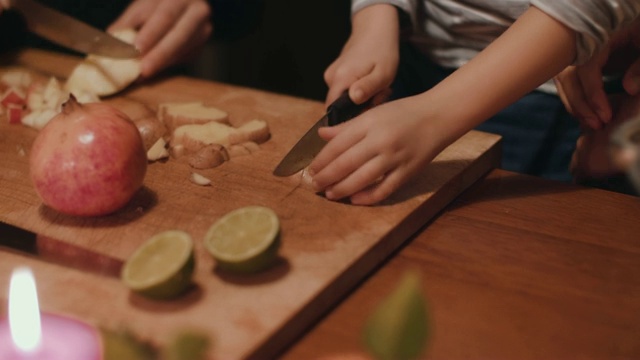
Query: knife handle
343,109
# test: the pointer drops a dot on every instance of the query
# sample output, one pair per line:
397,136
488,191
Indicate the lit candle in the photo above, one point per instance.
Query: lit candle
27,334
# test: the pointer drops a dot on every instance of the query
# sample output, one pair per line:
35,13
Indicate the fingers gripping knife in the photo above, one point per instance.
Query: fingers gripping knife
70,32
303,152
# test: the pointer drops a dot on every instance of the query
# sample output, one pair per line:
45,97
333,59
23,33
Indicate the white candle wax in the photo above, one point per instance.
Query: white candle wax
62,339
29,335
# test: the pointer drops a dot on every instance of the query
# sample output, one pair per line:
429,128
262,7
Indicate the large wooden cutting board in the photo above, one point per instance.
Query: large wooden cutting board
327,247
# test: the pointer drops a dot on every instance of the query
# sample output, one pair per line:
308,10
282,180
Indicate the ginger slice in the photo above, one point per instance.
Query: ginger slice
209,157
188,139
174,115
255,130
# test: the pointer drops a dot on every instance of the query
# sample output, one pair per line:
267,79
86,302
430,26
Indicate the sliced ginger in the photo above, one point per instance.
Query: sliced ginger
174,115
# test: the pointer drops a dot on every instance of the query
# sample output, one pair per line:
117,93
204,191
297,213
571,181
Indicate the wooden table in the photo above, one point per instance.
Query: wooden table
515,268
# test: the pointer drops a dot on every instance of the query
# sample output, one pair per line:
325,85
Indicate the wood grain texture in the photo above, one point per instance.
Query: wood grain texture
515,268
327,247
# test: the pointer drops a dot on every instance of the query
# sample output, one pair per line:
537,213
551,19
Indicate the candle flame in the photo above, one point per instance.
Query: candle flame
24,312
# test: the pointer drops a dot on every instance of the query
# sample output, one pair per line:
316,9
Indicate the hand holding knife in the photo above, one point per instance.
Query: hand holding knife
68,31
303,152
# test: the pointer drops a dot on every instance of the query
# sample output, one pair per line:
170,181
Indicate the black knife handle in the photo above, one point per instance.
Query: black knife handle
343,109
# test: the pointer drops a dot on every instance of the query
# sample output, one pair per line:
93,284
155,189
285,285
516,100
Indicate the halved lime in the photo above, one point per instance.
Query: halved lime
245,240
162,267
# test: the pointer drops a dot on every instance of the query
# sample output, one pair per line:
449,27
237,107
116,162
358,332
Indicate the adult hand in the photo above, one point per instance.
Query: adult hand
581,87
4,4
369,60
595,156
169,31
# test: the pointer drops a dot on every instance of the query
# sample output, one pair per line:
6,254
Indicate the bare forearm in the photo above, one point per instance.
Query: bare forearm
376,20
531,51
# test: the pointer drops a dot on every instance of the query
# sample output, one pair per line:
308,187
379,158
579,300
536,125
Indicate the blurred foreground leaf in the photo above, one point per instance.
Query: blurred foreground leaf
187,346
398,327
122,344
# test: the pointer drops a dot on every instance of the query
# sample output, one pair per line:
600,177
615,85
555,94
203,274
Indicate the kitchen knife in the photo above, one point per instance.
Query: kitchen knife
310,144
57,252
71,33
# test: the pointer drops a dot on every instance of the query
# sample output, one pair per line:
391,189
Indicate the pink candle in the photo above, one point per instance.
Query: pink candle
28,335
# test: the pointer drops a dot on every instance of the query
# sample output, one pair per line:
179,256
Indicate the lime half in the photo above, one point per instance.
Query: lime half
245,240
162,267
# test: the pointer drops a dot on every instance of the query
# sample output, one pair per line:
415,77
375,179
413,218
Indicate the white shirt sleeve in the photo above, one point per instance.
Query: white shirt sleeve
593,20
408,6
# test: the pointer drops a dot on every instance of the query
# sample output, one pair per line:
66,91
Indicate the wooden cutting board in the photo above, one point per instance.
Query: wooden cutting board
327,247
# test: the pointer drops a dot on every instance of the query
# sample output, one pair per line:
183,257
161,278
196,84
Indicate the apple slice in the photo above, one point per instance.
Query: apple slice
104,76
158,151
14,113
16,78
13,96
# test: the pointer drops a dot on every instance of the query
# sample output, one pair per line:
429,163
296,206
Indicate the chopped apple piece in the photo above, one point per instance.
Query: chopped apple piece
35,96
16,78
158,150
37,119
13,96
46,96
105,76
84,97
14,113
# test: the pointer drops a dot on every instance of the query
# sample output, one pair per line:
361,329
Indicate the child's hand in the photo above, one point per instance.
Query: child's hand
581,87
372,155
369,60
169,31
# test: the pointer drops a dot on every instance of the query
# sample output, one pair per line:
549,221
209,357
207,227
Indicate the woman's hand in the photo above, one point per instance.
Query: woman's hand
4,4
369,60
169,31
581,88
595,156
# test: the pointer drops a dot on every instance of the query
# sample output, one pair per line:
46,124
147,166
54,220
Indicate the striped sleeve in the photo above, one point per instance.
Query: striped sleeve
593,21
408,6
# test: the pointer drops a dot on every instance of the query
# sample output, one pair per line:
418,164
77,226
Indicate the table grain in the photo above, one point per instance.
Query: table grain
517,267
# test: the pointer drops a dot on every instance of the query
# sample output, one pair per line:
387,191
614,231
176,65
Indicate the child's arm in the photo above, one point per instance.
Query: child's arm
390,143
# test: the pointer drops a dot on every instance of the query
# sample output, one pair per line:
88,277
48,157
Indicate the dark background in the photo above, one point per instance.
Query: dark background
277,45
284,46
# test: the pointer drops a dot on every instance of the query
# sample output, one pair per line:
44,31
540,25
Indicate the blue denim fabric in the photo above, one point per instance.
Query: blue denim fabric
538,135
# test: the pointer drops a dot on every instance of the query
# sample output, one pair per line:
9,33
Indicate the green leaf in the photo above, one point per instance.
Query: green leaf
398,328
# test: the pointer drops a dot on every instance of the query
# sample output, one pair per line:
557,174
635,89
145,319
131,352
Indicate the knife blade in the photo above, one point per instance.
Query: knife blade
303,152
70,32
57,252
